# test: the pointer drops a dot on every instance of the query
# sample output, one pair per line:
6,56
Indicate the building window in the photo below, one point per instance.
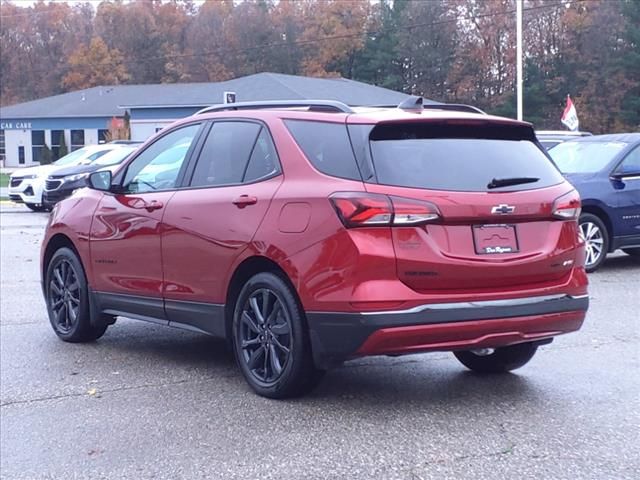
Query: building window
21,155
102,135
37,145
77,139
2,152
57,138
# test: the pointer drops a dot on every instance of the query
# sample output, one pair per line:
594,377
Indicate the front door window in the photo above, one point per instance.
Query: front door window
158,167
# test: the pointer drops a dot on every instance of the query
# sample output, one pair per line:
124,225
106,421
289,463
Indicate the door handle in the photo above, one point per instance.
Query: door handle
153,205
244,200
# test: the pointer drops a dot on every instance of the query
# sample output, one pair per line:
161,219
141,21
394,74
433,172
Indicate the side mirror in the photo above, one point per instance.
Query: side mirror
100,180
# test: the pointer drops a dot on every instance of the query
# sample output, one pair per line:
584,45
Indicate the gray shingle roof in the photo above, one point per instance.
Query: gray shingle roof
109,101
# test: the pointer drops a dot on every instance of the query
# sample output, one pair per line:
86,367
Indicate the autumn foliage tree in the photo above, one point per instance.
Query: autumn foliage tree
447,50
94,65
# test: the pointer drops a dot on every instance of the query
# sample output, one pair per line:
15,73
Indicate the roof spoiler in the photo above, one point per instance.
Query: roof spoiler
313,105
417,103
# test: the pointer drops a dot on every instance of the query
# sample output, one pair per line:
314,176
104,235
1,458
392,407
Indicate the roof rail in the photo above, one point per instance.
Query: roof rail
417,103
313,105
455,107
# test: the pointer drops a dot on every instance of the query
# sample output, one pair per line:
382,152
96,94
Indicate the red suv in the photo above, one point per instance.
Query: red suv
310,234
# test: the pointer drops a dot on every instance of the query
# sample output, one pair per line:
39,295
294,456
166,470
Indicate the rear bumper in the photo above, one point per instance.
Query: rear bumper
336,337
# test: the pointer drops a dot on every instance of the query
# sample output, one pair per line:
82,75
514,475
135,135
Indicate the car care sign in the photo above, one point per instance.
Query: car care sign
570,116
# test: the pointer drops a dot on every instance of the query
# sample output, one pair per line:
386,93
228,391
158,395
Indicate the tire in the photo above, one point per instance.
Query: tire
271,340
596,237
503,359
634,252
67,297
34,207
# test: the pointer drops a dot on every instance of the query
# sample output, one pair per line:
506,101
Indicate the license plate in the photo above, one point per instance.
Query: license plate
495,239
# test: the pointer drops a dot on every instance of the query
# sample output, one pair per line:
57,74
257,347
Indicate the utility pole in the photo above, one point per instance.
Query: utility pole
519,81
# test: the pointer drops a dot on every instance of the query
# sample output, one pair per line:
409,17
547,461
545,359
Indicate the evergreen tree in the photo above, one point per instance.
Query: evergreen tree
62,148
630,62
380,62
46,155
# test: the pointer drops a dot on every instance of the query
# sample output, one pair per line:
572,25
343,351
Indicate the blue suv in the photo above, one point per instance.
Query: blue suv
605,169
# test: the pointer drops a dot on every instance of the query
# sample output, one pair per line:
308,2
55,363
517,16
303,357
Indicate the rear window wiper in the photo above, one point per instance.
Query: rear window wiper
507,182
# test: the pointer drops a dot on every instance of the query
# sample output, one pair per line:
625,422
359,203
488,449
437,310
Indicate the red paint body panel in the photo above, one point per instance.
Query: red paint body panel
72,218
203,235
469,335
125,244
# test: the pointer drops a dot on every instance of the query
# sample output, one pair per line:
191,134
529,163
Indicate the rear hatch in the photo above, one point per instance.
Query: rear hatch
502,214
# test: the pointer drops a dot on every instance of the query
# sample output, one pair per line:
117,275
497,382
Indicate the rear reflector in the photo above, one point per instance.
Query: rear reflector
567,206
359,209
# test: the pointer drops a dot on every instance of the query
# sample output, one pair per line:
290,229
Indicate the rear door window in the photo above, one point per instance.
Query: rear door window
263,162
326,146
460,157
225,154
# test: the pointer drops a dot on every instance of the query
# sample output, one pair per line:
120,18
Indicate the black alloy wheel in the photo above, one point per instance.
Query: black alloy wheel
271,340
64,296
67,296
265,335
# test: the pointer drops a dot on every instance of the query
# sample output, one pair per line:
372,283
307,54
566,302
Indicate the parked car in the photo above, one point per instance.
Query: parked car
605,169
64,181
550,138
312,235
27,184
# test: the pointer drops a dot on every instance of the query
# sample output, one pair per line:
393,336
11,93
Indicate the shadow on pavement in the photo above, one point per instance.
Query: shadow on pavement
618,263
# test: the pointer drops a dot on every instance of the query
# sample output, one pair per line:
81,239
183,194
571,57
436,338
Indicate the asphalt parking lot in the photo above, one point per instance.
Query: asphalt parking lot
152,402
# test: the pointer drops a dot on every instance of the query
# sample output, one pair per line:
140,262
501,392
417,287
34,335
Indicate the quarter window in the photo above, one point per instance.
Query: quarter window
326,146
157,168
225,154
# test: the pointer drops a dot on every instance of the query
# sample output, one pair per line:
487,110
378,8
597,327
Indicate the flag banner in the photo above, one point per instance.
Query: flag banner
570,116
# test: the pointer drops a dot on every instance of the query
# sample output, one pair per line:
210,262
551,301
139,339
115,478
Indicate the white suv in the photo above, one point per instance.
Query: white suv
27,184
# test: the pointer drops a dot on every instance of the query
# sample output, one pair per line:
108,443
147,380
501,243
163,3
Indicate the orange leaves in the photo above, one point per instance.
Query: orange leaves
94,65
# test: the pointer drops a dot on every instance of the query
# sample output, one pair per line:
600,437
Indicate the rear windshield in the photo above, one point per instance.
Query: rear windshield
461,158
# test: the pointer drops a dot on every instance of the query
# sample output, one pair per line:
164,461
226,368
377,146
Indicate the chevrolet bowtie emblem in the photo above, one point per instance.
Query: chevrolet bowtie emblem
502,209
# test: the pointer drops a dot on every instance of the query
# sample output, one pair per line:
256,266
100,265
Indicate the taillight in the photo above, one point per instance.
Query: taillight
567,206
413,212
357,209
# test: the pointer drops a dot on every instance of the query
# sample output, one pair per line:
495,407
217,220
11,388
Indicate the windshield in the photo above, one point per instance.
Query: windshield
584,157
114,157
72,157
